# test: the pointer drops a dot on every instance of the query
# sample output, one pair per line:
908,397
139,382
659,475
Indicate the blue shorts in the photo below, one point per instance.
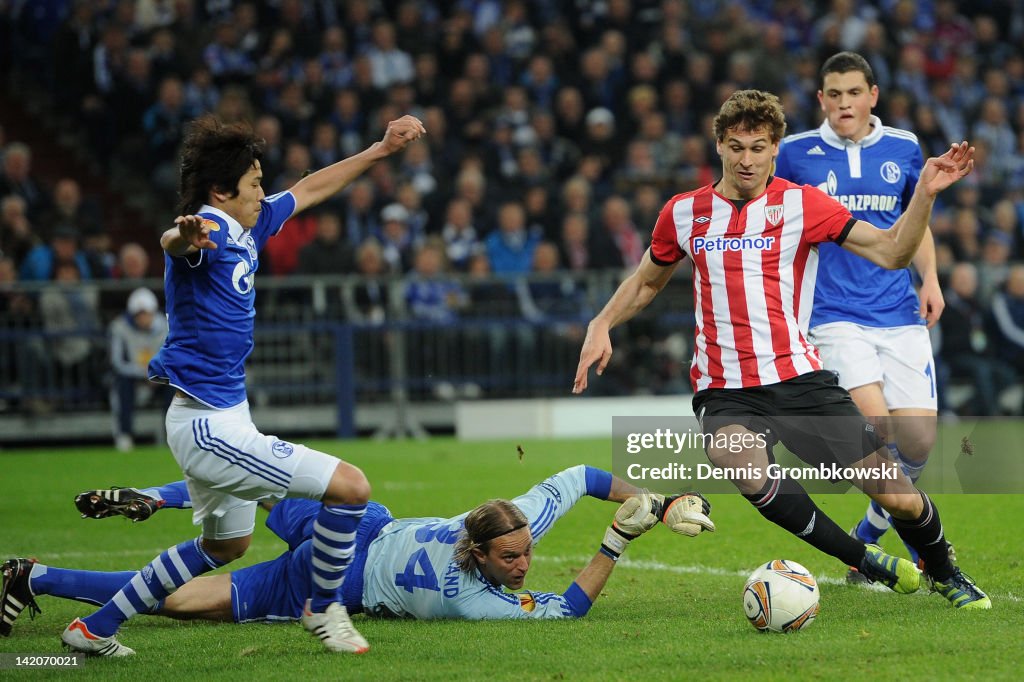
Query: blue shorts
278,589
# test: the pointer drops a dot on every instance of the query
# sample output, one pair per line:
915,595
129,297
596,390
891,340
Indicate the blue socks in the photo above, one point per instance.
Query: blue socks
91,587
334,543
175,495
147,588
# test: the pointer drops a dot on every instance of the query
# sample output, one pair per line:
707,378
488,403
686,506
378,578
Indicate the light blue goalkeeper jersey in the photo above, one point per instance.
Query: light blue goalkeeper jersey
403,568
410,570
211,299
875,179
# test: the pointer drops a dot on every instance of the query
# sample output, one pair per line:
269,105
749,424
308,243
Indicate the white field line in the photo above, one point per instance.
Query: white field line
698,569
628,564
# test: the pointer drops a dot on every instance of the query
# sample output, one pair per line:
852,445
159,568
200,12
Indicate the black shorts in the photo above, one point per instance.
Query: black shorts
812,415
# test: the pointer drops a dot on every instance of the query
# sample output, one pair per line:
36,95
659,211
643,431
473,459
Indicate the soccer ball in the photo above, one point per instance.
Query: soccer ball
781,596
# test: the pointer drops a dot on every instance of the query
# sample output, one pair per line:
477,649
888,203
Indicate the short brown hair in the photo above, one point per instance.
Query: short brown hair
751,110
844,62
490,520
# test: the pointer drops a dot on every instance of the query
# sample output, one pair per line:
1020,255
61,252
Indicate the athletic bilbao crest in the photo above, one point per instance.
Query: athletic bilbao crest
773,214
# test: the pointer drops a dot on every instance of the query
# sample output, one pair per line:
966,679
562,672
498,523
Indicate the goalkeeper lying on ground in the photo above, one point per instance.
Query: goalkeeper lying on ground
417,567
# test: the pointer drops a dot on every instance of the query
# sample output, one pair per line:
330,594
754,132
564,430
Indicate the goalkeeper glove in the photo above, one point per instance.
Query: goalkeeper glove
686,513
632,519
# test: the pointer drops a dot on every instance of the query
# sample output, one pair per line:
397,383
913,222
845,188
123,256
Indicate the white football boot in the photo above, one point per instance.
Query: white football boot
78,638
335,629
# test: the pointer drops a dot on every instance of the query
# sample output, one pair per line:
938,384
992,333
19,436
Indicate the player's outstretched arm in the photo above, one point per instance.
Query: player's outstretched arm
321,185
894,249
189,234
632,296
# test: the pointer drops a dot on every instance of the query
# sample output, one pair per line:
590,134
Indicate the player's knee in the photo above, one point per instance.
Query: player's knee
348,485
227,550
905,506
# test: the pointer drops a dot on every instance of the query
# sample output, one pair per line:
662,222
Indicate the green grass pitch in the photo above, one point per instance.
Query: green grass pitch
672,609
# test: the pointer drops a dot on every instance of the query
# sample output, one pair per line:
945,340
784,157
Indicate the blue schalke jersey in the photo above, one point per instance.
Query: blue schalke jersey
211,306
875,179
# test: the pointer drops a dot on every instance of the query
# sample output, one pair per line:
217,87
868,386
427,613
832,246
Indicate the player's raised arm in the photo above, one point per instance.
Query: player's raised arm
189,234
895,248
632,296
321,185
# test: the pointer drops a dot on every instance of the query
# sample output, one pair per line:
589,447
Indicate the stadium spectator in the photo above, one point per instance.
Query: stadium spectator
17,237
70,208
41,262
388,63
1008,318
459,234
510,246
370,302
163,124
17,178
435,300
490,548
396,240
70,318
135,337
967,351
744,377
361,217
329,253
616,243
132,262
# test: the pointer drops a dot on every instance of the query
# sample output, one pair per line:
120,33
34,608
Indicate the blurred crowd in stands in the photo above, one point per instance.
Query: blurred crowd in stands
556,130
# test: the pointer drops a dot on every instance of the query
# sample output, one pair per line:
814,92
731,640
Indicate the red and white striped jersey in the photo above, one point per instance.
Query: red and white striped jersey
753,278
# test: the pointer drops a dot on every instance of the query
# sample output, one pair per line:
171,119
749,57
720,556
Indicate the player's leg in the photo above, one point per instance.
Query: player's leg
207,597
213,447
344,492
871,402
851,352
910,394
916,519
822,426
137,504
784,502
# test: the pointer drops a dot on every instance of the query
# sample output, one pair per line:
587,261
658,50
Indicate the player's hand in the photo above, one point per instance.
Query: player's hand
196,231
597,347
633,518
686,513
942,171
932,302
401,132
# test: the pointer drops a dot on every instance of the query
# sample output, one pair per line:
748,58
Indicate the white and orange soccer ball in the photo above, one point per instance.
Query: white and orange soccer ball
781,596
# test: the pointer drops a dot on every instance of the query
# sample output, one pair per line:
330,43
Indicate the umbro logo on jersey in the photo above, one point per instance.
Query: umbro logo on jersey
816,150
701,220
